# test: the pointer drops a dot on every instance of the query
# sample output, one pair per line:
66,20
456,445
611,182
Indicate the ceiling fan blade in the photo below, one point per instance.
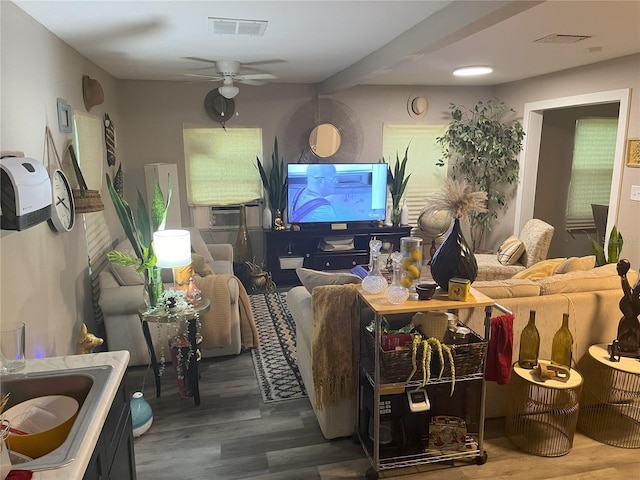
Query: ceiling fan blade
255,83
257,76
198,59
264,62
210,78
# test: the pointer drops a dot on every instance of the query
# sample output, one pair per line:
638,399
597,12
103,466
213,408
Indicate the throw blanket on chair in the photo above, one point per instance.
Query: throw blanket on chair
216,323
334,314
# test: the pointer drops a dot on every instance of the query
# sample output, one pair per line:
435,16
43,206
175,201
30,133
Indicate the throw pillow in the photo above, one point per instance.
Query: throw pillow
510,251
314,278
542,269
200,265
182,276
577,263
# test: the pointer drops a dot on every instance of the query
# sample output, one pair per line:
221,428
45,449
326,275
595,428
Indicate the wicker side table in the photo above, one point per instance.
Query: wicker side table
542,416
610,407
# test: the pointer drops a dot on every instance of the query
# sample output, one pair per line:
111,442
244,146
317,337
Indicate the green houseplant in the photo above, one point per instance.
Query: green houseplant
397,183
614,247
275,183
140,234
482,148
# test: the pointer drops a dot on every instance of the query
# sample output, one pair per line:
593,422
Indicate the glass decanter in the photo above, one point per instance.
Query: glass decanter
374,282
396,293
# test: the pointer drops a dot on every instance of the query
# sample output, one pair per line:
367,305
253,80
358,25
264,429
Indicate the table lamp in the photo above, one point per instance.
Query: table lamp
172,248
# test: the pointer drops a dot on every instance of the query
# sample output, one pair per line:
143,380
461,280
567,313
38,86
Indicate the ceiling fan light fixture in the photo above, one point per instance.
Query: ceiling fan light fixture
228,91
472,71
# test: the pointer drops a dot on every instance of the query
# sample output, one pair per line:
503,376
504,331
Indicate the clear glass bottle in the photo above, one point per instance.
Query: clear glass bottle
529,343
411,266
562,343
374,282
396,293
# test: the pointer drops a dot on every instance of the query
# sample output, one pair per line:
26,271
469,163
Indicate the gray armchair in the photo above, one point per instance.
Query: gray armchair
121,294
536,236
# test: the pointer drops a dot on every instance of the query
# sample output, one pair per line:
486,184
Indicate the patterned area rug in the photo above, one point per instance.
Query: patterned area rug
275,361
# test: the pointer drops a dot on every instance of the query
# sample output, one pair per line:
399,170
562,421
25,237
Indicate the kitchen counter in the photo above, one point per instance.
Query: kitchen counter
117,360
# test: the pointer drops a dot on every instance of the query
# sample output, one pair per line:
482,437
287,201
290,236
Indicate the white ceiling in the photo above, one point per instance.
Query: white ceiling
338,44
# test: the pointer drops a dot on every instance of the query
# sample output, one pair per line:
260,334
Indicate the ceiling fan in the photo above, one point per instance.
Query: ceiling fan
230,71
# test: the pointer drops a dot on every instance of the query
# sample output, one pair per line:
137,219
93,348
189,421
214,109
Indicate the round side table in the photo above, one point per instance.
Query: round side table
610,410
542,416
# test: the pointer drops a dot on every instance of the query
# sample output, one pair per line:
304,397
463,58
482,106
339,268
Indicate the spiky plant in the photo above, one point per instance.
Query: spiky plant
397,183
614,247
140,234
275,184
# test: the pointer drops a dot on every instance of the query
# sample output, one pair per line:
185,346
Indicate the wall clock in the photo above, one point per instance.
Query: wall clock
63,211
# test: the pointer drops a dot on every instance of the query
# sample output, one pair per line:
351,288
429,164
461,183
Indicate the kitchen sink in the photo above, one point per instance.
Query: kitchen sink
84,384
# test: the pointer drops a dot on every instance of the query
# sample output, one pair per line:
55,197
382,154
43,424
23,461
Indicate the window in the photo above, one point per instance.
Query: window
591,169
426,177
221,165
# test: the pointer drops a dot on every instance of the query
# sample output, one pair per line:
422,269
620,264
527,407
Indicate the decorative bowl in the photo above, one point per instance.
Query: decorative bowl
426,290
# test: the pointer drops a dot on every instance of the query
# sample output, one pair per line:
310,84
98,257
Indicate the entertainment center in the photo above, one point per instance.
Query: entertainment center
288,249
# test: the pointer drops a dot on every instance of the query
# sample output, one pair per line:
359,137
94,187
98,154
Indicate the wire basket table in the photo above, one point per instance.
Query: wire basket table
542,416
610,410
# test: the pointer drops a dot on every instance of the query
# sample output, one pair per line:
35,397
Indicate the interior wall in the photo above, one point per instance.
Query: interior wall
620,73
554,167
43,274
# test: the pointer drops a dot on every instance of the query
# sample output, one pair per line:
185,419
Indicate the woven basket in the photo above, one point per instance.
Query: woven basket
396,365
86,200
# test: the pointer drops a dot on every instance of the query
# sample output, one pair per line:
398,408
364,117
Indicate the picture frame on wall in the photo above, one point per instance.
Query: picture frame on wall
633,152
65,119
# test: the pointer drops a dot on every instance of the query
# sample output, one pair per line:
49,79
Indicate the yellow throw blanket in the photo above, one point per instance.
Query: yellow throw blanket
334,317
216,323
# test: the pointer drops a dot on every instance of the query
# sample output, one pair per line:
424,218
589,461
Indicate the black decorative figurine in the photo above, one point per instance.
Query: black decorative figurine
627,344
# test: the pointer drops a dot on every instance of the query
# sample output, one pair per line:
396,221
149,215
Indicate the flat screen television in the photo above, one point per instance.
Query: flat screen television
336,192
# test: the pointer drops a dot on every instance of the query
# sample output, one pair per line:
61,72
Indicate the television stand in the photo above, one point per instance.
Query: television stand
288,249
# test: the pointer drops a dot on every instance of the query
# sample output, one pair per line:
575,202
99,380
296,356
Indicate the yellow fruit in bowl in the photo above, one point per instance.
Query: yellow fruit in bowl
413,272
416,255
406,281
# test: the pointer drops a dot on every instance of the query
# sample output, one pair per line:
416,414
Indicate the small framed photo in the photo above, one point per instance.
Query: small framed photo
64,116
633,152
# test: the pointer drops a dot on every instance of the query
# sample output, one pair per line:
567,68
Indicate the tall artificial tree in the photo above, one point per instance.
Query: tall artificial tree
482,148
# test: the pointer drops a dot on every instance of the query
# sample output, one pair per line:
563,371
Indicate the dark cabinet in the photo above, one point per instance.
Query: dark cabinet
113,457
288,249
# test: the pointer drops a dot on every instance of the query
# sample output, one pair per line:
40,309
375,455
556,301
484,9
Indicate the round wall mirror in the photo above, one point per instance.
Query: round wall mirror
325,140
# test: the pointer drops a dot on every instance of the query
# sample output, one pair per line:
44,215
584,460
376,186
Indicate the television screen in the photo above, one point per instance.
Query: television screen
336,192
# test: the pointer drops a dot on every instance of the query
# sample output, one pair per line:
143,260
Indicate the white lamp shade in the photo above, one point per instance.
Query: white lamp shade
228,91
172,248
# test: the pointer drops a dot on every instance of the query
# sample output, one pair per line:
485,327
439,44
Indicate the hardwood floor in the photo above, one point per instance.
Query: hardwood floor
234,435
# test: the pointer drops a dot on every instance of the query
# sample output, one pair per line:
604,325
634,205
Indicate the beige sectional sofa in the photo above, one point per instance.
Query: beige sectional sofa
589,296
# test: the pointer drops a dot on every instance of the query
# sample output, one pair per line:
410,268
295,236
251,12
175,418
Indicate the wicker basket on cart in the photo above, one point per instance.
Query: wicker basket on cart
397,365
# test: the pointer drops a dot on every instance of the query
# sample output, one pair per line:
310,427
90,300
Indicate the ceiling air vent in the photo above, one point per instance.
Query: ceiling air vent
557,38
234,26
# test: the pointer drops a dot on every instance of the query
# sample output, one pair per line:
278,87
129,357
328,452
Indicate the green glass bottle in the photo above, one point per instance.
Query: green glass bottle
529,343
562,343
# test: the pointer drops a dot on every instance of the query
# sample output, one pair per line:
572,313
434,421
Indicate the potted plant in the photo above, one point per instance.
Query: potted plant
614,247
397,183
482,148
140,234
275,183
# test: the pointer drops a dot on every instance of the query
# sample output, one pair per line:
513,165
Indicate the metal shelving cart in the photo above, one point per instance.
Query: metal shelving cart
403,440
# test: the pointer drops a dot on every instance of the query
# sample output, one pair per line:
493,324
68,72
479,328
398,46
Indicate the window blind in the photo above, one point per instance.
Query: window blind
221,165
591,169
426,177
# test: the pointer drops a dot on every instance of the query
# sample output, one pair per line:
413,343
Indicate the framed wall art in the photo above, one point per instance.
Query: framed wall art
64,116
633,152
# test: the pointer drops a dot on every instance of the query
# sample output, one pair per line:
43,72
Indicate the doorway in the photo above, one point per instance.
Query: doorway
533,121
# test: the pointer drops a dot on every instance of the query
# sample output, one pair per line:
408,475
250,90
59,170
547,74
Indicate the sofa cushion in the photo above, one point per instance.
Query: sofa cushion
200,266
314,278
577,263
510,251
198,246
597,279
511,288
542,269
